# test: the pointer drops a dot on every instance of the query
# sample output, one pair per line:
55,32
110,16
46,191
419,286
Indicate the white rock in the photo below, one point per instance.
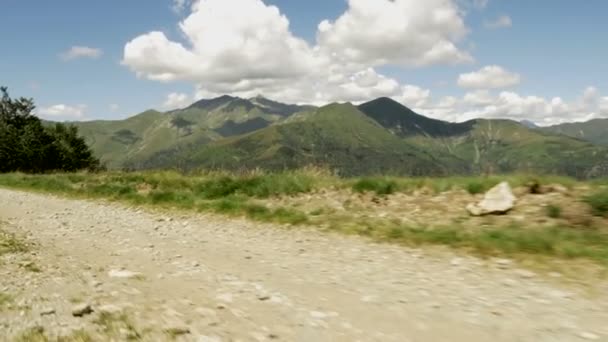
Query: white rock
499,200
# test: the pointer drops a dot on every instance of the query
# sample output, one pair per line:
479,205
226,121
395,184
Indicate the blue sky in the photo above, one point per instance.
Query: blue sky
556,48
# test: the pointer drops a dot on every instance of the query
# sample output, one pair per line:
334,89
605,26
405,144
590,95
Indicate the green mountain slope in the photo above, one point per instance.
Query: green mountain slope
493,146
337,136
130,142
378,137
404,122
595,131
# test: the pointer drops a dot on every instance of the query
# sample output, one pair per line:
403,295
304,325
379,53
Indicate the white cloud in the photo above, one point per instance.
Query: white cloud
413,96
478,4
244,47
228,41
503,21
400,32
511,105
62,112
603,105
179,6
489,77
478,98
176,101
76,52
114,107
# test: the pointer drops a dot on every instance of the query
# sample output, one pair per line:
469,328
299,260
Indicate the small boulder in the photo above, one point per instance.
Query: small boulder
499,200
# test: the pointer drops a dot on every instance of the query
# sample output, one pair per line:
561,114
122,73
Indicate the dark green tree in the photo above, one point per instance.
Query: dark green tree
26,145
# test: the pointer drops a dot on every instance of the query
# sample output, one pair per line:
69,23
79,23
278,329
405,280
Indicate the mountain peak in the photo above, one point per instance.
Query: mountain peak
213,103
403,121
529,124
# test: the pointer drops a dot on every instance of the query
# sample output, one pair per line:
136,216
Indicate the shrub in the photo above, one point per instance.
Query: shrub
554,211
378,185
598,203
475,187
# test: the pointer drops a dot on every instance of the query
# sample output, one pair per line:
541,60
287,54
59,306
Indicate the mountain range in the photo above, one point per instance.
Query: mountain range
378,137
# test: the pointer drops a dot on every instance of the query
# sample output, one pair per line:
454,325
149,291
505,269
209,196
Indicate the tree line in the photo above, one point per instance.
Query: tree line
28,145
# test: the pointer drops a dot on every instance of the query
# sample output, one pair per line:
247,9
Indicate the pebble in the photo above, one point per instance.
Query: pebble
47,312
503,263
82,310
525,274
123,274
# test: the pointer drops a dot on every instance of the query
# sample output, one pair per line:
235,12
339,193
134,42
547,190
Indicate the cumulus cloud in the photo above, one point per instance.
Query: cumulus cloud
62,112
114,107
245,47
76,52
228,41
503,21
478,98
401,32
603,105
176,101
510,105
489,77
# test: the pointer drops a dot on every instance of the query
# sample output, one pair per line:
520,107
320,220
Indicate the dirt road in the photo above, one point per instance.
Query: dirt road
205,278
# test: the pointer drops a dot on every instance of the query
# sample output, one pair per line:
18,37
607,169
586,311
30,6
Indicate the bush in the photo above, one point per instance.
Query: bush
598,203
554,211
263,186
378,185
475,188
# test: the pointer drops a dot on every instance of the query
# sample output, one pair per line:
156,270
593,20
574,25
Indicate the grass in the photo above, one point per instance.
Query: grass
246,195
32,267
599,203
381,186
557,241
5,299
10,244
473,185
554,211
117,324
37,334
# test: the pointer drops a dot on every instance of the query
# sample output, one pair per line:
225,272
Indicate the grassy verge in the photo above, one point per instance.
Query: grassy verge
37,334
244,195
473,185
557,241
10,244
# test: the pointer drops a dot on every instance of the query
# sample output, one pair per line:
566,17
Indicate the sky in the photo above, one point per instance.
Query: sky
541,60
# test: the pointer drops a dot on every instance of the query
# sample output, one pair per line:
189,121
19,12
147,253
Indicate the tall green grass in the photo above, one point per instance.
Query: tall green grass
599,202
248,195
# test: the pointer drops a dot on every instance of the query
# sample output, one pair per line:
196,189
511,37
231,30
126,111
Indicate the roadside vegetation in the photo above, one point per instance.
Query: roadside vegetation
260,196
29,145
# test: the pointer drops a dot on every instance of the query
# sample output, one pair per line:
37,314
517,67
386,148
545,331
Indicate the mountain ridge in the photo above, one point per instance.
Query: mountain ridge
381,136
